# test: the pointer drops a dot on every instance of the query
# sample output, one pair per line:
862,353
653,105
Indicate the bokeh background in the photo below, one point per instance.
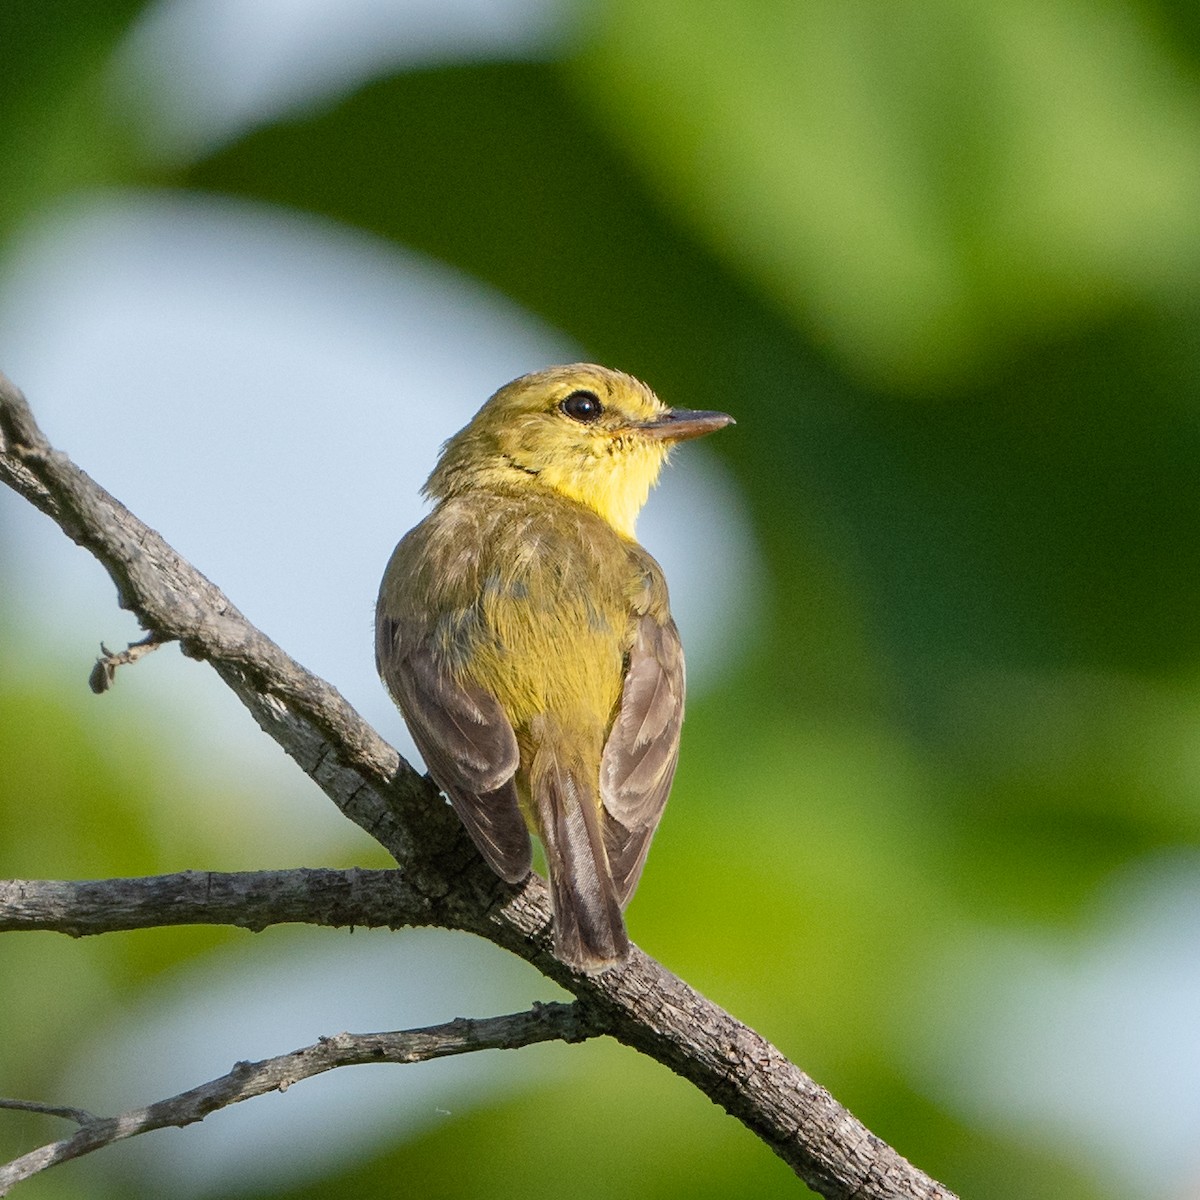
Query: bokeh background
935,830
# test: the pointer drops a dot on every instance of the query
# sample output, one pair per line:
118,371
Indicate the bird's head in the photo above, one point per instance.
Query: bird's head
596,436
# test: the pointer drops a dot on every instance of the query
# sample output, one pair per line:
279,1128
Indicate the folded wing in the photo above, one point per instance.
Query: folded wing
642,750
467,744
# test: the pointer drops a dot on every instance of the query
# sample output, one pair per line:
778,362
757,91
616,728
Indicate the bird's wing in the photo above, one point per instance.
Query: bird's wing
642,749
467,744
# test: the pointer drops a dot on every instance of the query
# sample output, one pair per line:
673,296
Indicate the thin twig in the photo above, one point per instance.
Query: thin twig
80,1116
542,1023
105,671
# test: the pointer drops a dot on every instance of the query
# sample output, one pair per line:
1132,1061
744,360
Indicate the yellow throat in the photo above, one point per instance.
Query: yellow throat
597,436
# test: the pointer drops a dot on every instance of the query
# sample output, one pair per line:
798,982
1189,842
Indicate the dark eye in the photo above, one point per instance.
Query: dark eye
582,406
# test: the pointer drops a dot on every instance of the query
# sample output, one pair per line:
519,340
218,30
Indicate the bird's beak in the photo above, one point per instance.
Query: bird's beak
679,424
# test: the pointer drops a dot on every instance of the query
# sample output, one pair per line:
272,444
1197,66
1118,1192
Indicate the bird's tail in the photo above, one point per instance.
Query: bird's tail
589,931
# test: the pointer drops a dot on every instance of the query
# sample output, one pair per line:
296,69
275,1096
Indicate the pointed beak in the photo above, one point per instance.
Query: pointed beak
679,424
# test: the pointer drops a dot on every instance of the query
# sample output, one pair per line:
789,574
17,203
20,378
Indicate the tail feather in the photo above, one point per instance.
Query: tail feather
589,931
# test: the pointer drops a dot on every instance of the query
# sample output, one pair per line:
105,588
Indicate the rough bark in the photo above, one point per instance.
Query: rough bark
543,1023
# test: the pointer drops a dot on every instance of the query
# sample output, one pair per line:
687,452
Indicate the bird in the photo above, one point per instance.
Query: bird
527,639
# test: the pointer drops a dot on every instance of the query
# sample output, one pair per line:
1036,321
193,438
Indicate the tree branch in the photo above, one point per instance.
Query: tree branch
640,1003
249,899
543,1023
79,1115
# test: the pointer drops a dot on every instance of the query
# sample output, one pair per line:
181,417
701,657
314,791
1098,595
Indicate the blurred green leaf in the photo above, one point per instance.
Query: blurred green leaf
58,129
921,185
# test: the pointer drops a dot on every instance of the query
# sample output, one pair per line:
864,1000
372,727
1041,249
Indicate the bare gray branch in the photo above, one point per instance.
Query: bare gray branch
79,1115
543,1023
249,899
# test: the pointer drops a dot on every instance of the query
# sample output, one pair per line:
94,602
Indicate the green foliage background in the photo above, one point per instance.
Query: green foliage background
940,259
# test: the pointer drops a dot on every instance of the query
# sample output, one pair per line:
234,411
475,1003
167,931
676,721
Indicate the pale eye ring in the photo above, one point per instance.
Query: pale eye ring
582,406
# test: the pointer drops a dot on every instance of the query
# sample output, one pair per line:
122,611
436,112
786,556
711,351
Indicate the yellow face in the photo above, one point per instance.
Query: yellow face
597,436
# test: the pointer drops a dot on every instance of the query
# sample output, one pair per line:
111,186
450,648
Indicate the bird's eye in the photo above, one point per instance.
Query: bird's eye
582,406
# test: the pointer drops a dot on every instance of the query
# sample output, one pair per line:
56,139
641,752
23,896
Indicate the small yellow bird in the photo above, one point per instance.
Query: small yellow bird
527,639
